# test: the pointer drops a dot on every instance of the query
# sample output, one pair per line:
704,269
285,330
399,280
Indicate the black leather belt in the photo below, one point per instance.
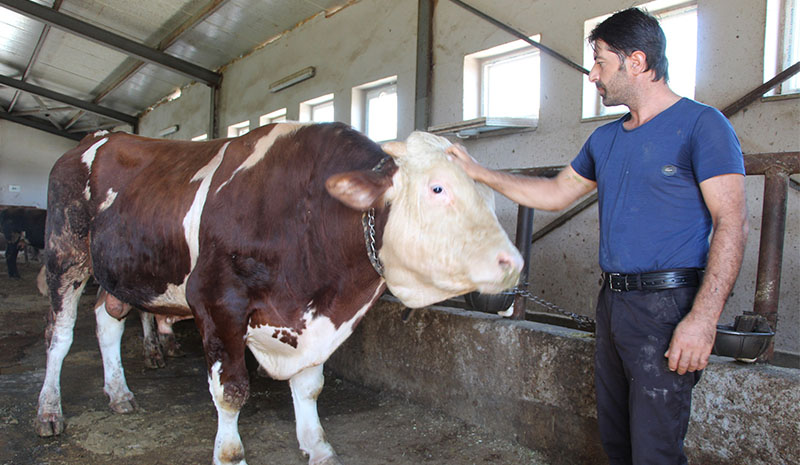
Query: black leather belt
670,279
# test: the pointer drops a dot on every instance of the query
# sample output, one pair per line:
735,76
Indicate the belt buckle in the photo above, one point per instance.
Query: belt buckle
611,277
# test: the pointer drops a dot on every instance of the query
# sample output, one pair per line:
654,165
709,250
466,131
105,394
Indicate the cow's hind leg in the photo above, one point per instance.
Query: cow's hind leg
306,387
65,291
153,355
109,336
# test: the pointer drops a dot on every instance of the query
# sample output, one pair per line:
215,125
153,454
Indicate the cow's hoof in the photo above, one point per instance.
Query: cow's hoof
331,460
49,425
171,346
153,359
123,406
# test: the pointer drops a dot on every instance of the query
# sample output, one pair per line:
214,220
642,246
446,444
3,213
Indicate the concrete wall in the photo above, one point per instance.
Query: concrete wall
26,156
372,39
533,382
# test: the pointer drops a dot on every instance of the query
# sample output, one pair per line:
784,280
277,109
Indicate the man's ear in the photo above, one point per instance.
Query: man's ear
359,190
637,62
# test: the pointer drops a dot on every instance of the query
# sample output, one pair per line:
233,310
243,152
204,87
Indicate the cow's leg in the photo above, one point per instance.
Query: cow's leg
153,355
306,386
166,336
228,448
65,291
109,335
12,249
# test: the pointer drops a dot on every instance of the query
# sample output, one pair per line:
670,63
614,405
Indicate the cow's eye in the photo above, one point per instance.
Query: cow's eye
437,189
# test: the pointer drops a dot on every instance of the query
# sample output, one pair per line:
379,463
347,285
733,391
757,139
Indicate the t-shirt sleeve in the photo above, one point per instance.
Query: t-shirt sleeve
583,164
716,148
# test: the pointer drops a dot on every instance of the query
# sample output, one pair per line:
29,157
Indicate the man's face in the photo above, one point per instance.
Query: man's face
609,75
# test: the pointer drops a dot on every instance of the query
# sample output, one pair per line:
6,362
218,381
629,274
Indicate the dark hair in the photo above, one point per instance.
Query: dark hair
633,30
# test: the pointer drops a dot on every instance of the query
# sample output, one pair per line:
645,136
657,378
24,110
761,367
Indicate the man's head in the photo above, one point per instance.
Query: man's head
633,30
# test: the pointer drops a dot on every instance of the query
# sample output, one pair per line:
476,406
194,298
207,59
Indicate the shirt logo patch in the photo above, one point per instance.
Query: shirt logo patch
669,170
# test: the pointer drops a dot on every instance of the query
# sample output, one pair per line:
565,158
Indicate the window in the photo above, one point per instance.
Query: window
276,116
201,137
782,45
679,22
503,81
318,110
374,109
239,129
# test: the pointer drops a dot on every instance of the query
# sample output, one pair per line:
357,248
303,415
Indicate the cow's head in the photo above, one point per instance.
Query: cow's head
442,237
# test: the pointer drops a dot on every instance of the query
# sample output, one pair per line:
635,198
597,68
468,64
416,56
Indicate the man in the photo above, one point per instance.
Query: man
665,173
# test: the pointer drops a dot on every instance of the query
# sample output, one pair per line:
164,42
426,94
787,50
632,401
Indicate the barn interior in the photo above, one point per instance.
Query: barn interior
194,70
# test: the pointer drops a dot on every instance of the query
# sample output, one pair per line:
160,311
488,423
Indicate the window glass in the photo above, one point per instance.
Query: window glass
503,81
381,111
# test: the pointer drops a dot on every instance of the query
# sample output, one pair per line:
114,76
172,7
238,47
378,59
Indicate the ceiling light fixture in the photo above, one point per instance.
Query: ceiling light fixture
293,79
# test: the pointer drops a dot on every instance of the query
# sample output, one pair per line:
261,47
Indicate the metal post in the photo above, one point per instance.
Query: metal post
422,90
213,117
770,254
524,244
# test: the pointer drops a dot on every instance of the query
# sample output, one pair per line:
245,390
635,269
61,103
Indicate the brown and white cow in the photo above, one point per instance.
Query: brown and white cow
264,239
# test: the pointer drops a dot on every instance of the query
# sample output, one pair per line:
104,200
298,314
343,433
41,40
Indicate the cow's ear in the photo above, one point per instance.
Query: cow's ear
395,149
359,190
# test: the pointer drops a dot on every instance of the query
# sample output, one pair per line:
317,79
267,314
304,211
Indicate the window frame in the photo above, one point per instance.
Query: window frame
239,129
782,45
277,116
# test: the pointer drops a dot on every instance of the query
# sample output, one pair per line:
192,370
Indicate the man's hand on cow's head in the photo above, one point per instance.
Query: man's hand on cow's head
458,154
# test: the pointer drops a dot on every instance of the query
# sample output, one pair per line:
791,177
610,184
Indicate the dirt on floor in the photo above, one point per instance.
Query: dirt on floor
175,422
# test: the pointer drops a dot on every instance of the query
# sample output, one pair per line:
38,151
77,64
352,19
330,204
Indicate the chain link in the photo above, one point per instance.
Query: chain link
583,322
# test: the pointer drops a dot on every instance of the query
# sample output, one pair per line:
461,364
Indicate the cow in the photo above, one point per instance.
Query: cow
22,226
279,240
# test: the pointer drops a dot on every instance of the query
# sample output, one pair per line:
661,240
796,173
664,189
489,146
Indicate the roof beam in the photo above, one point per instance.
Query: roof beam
72,101
109,39
40,125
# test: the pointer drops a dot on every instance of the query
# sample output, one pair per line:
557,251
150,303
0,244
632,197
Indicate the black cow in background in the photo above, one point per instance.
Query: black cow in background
21,226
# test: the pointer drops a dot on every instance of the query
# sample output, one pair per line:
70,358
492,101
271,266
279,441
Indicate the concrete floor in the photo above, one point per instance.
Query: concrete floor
176,421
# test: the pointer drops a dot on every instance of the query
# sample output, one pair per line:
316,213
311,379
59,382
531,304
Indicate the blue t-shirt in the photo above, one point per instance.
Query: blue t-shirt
652,214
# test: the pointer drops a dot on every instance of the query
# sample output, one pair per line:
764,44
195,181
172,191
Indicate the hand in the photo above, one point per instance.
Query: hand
458,154
691,344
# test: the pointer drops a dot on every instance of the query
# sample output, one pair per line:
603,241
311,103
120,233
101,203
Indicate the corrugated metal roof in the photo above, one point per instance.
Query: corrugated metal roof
209,34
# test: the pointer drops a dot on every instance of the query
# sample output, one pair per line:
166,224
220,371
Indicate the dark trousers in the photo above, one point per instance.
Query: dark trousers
642,407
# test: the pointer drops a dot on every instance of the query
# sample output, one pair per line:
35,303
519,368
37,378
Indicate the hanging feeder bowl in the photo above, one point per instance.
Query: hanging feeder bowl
745,340
489,303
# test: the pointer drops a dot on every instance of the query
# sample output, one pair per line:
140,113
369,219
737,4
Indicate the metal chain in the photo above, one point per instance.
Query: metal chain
368,221
584,322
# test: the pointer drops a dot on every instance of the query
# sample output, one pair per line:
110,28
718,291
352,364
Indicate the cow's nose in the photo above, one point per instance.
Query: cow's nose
509,262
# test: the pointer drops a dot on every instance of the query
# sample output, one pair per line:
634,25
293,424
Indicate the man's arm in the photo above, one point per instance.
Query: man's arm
693,338
536,192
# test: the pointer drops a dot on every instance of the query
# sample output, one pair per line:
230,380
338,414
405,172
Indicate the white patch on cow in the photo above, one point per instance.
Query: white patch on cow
100,133
227,443
109,336
110,197
175,295
306,386
314,345
88,159
191,222
262,147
